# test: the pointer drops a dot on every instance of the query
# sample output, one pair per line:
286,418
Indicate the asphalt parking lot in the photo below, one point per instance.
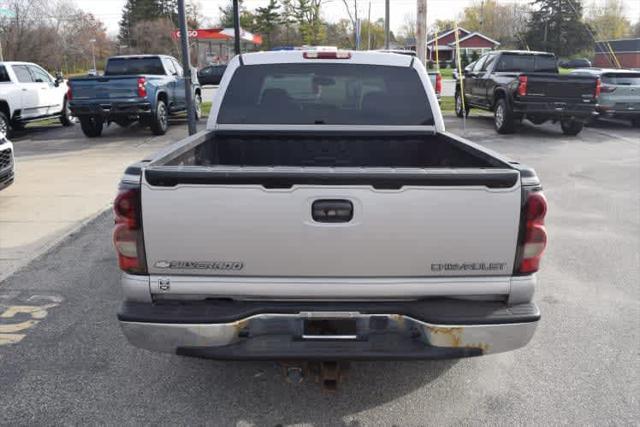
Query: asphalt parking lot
66,362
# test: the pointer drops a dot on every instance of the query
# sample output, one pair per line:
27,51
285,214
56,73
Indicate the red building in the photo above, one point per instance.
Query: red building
470,42
627,52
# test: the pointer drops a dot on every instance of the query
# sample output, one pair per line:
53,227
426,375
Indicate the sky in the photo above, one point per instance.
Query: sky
110,11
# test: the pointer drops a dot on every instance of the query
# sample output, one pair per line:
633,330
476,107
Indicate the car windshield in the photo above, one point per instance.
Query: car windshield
622,79
127,66
345,94
527,63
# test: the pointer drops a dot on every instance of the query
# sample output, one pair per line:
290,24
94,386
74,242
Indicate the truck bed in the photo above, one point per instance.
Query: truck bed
361,150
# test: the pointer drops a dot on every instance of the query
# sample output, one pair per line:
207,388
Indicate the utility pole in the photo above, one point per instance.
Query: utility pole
236,26
186,65
421,31
386,23
369,27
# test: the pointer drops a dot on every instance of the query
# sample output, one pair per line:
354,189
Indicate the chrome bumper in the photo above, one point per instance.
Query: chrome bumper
379,336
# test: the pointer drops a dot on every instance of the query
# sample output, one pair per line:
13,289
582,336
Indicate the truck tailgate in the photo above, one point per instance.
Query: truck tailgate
222,223
105,87
566,88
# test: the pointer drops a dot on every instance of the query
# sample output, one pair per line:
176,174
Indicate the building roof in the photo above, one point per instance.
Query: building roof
619,45
446,33
474,34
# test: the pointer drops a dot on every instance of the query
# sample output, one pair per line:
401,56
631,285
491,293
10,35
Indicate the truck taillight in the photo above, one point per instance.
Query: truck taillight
438,83
69,93
535,238
598,88
522,85
127,235
142,89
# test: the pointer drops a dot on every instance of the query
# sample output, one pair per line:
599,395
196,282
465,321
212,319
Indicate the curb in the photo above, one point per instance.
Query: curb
47,247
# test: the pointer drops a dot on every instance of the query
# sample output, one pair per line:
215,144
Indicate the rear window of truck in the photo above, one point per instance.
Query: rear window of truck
129,66
622,79
332,94
527,63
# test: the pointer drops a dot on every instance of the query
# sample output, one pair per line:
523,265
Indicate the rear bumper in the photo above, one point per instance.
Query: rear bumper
235,330
555,109
108,109
627,113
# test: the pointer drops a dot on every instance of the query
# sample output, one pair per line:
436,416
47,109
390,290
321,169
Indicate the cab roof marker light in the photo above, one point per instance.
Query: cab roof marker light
341,54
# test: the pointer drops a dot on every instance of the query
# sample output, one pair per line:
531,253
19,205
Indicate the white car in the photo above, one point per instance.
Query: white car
28,93
6,162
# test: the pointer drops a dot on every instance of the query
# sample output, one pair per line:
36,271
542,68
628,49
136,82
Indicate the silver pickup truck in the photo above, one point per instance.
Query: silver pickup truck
325,214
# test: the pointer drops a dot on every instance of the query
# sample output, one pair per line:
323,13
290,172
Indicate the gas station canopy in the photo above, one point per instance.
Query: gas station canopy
220,34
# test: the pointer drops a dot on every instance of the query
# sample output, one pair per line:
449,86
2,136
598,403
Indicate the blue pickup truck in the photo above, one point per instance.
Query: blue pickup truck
144,88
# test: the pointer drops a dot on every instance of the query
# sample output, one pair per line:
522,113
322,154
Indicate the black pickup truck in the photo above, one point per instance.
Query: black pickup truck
522,84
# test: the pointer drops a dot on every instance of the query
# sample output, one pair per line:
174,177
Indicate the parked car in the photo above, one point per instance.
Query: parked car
575,63
522,84
211,75
29,93
619,93
144,88
6,162
324,215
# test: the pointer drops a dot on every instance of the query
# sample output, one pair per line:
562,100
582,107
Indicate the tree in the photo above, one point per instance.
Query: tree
609,22
339,34
351,7
636,29
557,26
408,28
307,16
135,11
267,21
500,21
154,36
247,18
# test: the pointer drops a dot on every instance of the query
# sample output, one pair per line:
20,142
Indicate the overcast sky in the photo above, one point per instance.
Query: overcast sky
110,11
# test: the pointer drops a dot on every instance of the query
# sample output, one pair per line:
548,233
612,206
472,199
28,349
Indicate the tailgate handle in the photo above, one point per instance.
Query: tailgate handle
332,211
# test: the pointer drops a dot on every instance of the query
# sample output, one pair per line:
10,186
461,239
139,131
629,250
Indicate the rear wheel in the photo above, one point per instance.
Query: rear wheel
4,124
160,120
459,110
571,127
91,126
503,118
66,119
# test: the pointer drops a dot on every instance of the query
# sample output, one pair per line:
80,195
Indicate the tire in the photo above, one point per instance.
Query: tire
458,106
18,126
66,119
91,126
635,122
571,127
197,100
503,118
5,126
160,120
